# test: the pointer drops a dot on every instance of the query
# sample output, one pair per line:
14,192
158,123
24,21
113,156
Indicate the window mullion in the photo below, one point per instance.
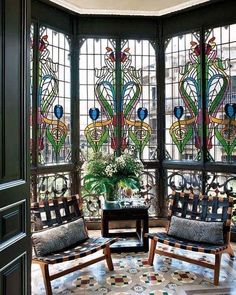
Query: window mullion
118,87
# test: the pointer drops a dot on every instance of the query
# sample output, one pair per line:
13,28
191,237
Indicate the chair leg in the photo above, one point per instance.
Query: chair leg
230,251
46,278
217,269
152,252
107,252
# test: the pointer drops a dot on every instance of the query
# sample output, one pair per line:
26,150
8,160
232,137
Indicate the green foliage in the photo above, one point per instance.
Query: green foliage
104,173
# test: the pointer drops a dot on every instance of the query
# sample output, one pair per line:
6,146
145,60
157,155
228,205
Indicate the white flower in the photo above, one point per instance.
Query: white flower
110,170
120,162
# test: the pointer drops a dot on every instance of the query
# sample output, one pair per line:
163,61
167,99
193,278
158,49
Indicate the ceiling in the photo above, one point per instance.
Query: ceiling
127,7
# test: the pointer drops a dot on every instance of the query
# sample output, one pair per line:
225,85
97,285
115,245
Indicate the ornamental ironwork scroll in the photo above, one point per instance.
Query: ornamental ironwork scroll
52,186
99,131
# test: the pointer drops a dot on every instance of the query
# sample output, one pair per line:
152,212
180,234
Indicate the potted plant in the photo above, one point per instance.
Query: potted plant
105,174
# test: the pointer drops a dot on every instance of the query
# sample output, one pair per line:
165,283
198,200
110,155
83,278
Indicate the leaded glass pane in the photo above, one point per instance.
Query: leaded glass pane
54,99
96,76
221,94
182,98
117,97
139,100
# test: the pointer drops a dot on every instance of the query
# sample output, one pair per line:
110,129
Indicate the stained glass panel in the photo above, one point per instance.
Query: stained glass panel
183,99
221,93
115,91
96,76
54,99
139,99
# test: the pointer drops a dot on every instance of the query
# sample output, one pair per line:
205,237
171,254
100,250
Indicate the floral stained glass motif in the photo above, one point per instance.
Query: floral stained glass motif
182,92
52,106
117,105
217,81
222,121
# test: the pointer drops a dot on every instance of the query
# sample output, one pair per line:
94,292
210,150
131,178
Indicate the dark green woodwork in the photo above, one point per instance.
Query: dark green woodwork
209,14
198,18
15,246
75,127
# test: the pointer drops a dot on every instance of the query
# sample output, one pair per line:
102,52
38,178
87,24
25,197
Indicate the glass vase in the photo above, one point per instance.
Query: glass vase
112,196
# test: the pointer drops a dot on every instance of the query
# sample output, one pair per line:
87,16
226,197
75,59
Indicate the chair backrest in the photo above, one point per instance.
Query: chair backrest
53,212
200,207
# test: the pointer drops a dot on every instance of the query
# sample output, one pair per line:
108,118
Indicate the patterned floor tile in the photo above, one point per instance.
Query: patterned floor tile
119,280
139,289
121,264
184,276
172,286
143,263
85,282
133,276
119,293
152,278
102,290
159,292
163,268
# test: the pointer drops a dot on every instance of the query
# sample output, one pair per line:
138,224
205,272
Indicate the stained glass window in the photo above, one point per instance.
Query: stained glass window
118,109
54,101
116,93
183,98
94,63
50,119
220,62
140,97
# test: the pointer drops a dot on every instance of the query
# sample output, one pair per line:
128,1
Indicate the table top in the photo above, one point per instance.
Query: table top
107,206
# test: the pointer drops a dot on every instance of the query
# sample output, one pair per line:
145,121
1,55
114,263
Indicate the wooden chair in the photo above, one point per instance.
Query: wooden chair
48,214
199,208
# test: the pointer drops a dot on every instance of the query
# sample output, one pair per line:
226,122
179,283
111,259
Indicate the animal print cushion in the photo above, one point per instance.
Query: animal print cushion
60,237
196,230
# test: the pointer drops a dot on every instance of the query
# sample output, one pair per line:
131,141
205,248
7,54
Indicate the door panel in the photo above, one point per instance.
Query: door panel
15,249
14,275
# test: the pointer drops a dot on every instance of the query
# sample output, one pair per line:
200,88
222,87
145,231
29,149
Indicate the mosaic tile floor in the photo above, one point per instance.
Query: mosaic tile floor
133,275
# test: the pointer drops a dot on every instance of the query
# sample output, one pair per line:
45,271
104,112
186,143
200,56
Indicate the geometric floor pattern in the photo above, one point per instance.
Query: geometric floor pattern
133,275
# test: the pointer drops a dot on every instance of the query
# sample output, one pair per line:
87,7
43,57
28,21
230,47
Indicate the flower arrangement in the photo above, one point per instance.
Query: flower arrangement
105,174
